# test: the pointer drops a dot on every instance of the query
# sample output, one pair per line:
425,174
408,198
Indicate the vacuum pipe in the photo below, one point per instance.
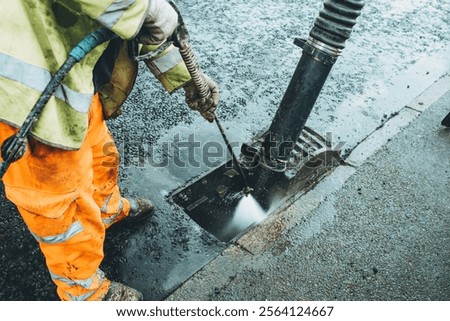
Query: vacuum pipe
326,41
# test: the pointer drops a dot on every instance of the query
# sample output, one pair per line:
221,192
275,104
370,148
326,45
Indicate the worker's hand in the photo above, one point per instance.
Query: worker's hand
205,106
159,24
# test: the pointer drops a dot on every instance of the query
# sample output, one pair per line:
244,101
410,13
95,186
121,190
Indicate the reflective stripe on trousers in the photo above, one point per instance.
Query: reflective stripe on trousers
59,194
97,279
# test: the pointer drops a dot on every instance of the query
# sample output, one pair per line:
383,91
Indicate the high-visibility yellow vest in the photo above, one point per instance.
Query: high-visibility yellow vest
35,39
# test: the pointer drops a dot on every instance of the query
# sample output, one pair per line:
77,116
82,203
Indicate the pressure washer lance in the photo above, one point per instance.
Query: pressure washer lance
14,147
180,40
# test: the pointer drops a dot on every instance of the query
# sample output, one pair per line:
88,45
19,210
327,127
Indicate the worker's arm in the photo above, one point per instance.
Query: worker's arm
155,20
159,23
151,22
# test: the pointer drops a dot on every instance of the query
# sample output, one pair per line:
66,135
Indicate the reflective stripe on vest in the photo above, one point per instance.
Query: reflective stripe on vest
73,230
86,284
114,12
37,78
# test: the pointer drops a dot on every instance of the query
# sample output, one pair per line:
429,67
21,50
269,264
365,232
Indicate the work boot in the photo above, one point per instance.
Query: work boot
140,209
120,292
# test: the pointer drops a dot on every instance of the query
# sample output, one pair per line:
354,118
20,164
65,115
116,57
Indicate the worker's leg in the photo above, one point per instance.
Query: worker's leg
52,190
113,207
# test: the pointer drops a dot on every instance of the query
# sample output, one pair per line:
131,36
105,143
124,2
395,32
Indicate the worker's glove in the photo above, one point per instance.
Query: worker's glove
205,106
159,24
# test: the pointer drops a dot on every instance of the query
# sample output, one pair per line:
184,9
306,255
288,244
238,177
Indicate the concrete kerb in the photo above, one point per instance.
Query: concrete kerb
263,236
394,125
431,95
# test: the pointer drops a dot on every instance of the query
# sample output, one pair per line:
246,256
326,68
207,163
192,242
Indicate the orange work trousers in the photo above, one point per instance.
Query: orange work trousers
67,199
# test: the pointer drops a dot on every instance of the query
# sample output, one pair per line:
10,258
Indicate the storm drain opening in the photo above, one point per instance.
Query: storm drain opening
217,203
212,201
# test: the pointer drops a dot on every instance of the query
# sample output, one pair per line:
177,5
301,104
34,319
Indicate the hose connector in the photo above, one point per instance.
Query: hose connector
335,22
91,41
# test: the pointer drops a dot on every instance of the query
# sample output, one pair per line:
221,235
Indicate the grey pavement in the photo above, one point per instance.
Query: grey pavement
376,229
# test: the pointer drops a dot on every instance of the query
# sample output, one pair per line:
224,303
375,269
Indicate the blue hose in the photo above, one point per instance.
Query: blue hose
90,42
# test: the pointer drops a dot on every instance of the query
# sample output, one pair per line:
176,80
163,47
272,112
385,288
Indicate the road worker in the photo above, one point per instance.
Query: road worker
61,187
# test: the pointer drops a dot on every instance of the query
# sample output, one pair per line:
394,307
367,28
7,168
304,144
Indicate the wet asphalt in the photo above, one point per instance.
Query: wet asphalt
396,52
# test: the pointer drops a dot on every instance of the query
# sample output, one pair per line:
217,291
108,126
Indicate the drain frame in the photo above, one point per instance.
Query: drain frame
211,199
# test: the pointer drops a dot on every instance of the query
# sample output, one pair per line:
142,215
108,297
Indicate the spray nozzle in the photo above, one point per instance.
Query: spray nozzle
247,190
